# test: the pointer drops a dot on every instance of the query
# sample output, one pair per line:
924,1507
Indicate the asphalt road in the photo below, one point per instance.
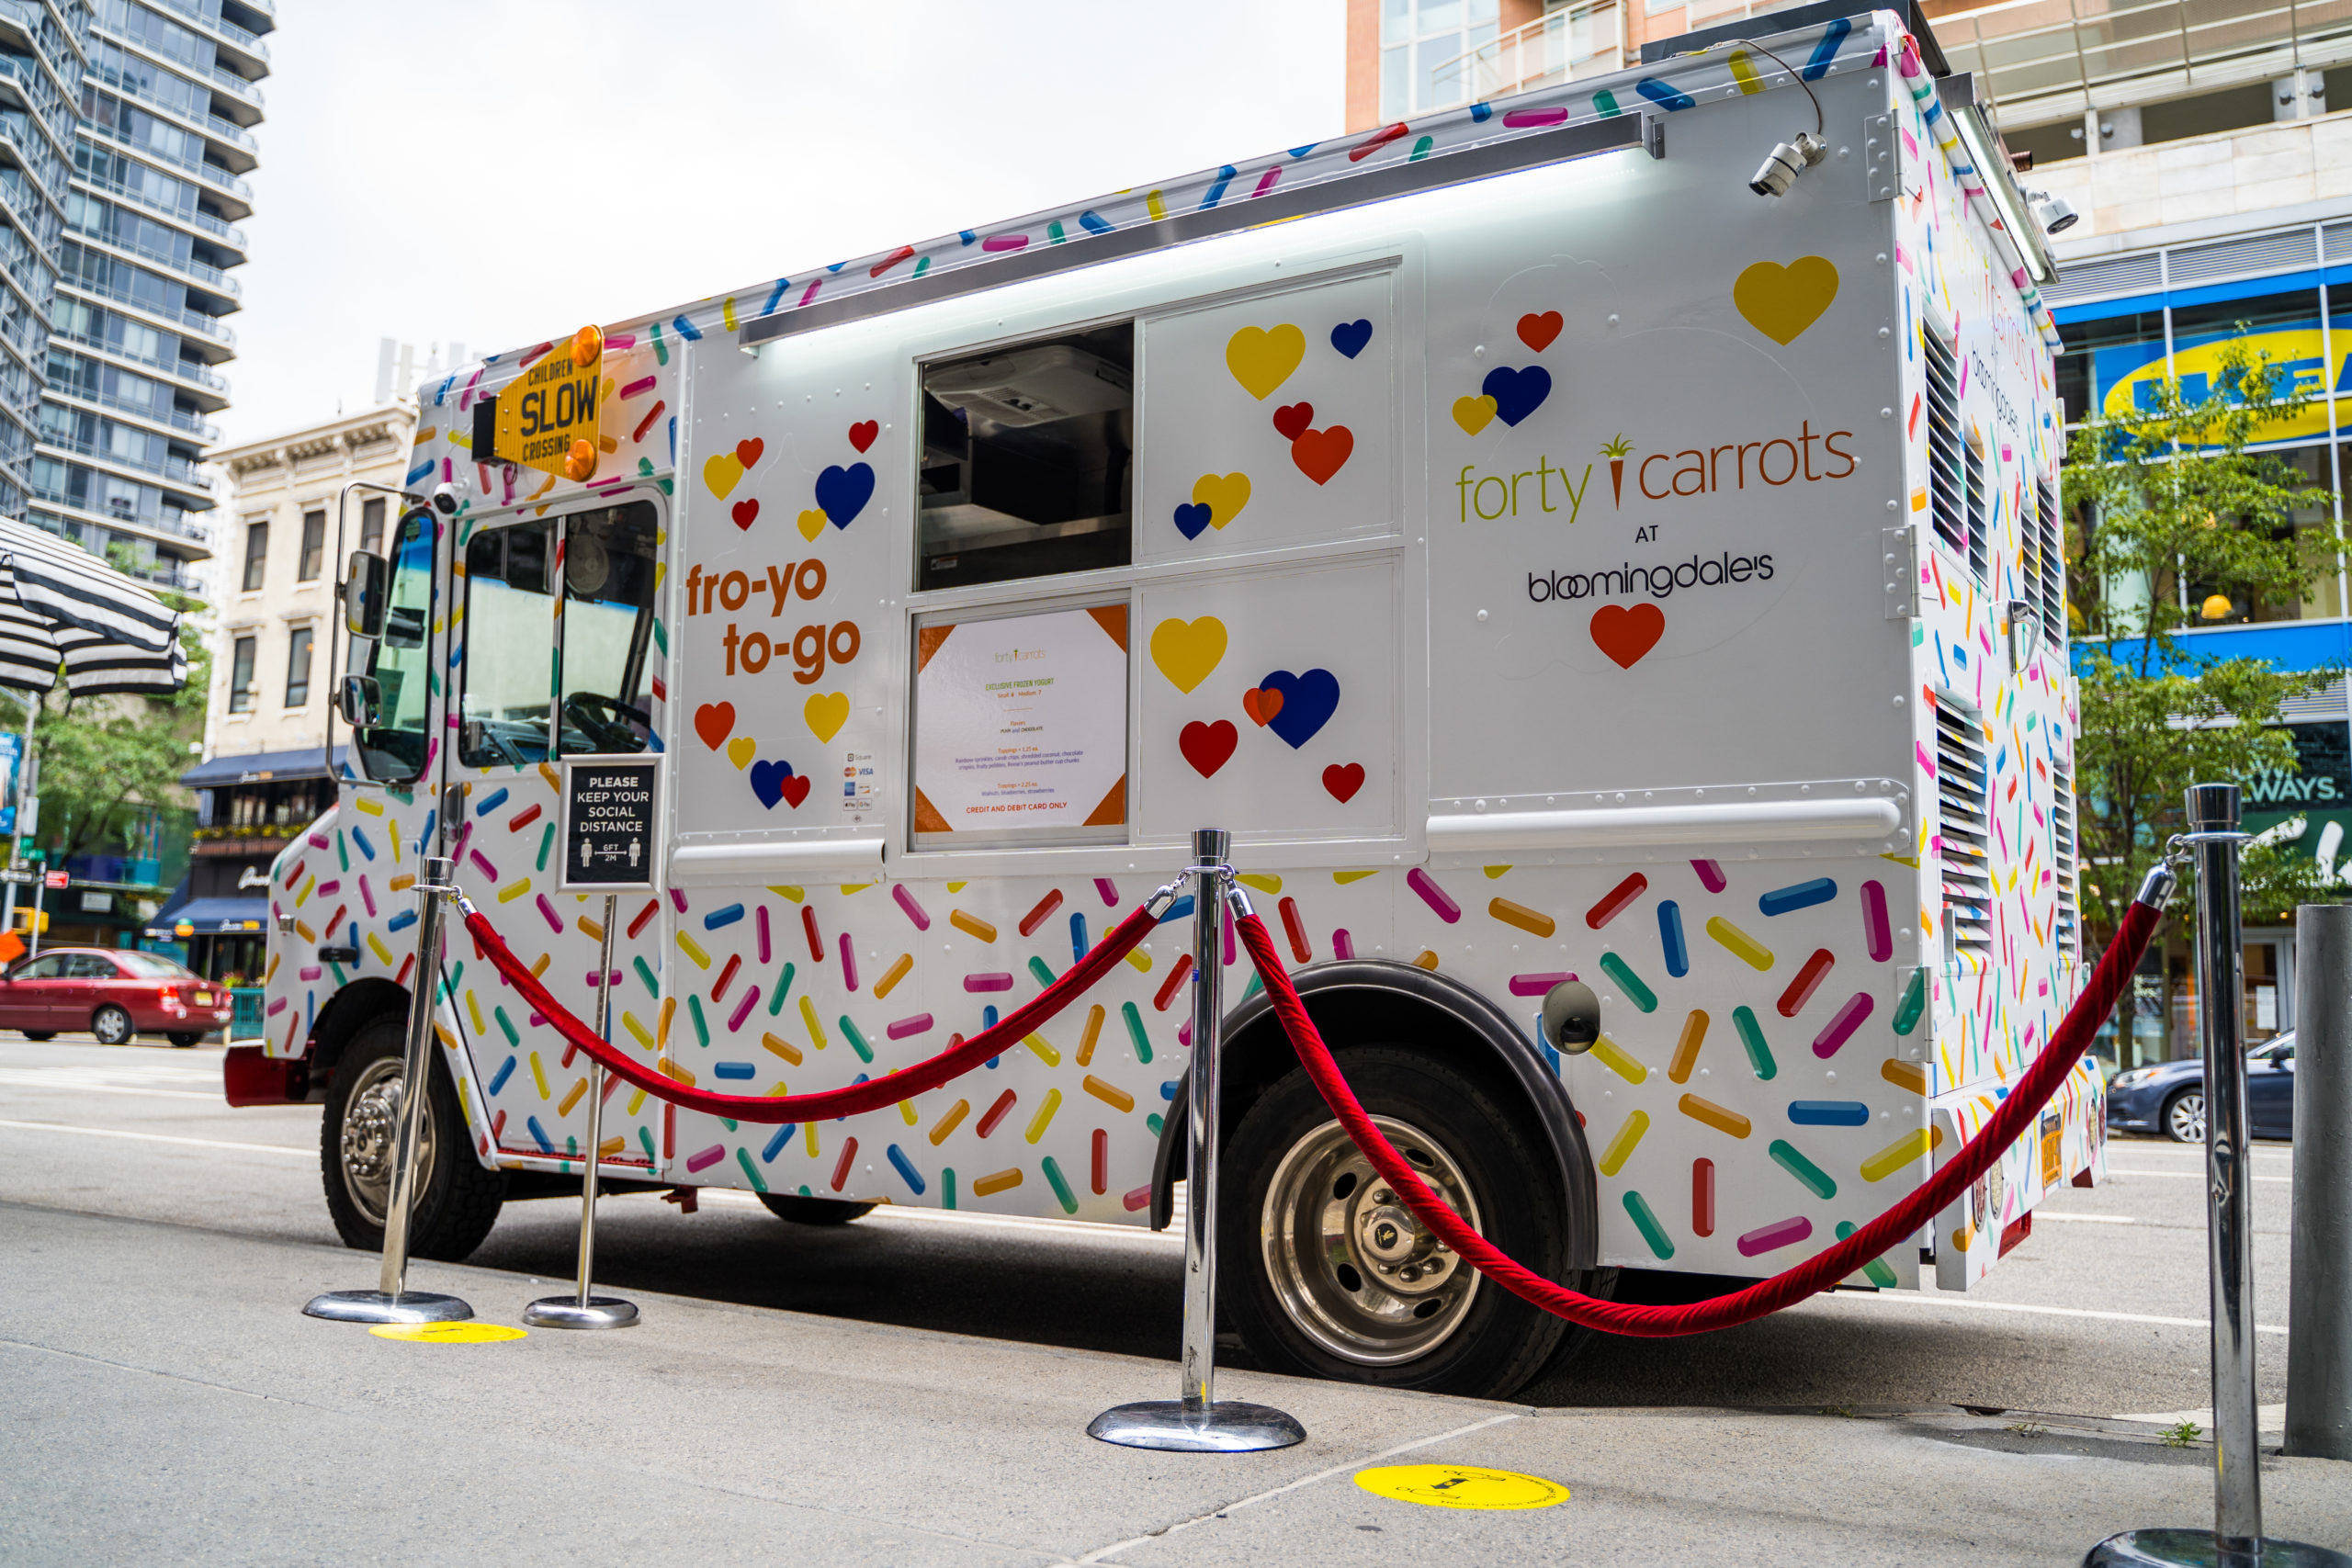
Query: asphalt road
2099,1313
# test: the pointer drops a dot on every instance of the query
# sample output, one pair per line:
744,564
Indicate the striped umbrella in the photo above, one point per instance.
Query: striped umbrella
61,605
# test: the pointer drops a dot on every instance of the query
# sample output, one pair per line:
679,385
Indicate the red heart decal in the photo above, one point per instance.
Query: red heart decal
862,434
1320,454
748,451
1343,782
1262,703
1626,634
1293,421
795,790
714,722
1208,746
1537,331
744,511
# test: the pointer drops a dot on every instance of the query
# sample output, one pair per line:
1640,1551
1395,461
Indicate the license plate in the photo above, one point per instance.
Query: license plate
204,998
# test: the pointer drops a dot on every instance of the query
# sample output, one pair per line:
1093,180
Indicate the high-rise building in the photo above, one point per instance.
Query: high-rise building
125,126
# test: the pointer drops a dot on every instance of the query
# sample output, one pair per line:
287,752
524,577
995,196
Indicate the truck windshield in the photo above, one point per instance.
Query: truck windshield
607,637
394,751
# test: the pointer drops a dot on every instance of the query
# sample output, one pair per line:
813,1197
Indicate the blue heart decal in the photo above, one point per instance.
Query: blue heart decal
1191,520
1308,702
767,781
1517,393
842,494
1349,337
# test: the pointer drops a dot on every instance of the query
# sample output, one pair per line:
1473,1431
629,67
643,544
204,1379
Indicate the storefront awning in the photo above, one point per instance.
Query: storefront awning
211,916
253,767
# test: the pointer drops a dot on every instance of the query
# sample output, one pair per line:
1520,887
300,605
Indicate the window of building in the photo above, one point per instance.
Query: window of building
2207,113
314,547
1422,43
510,609
2101,356
2047,143
2304,467
297,668
257,555
1027,460
371,525
241,676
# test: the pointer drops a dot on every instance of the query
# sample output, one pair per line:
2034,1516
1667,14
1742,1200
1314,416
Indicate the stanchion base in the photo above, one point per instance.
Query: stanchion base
2202,1549
1228,1426
374,1306
565,1312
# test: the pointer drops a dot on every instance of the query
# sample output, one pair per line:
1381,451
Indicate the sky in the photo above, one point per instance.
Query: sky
498,172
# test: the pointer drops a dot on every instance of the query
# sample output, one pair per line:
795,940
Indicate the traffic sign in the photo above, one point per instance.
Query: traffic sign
547,416
54,881
608,808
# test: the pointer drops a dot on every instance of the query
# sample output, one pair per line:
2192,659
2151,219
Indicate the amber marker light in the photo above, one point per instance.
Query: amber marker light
580,463
587,344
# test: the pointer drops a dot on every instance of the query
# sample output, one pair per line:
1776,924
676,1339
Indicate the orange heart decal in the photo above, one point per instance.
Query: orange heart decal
1626,634
1261,704
1537,331
714,722
1320,454
748,451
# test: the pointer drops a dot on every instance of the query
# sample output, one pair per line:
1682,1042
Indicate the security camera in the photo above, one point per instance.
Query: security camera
445,500
1788,159
2053,212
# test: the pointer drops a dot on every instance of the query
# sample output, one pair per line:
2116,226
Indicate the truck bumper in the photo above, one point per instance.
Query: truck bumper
250,1077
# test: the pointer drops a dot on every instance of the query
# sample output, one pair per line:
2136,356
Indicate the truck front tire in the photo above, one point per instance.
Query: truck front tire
457,1200
1325,1274
814,1211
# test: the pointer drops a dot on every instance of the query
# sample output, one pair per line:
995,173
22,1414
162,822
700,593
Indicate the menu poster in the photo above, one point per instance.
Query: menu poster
1021,726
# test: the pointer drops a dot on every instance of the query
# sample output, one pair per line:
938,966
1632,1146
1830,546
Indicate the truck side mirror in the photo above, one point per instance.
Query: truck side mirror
1571,1017
365,590
361,702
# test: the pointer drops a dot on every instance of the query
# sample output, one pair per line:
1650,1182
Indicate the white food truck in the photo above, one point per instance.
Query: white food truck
1611,532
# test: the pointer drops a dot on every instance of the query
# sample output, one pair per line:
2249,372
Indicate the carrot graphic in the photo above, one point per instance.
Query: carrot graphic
1615,450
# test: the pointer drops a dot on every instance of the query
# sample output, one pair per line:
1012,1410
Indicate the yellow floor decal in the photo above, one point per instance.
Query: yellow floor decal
1459,1487
448,1333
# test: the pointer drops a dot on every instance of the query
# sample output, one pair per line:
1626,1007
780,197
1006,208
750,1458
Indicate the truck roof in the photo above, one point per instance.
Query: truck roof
1571,119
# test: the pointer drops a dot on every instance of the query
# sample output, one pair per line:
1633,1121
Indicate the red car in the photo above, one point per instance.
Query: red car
113,993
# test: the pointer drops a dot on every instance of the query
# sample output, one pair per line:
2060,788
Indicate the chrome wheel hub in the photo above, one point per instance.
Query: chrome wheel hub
371,1139
2189,1119
1352,1266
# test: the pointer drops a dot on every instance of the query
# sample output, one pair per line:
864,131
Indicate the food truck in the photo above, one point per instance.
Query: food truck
1609,533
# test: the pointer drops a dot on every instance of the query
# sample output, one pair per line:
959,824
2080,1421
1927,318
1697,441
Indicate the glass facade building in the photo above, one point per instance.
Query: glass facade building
125,128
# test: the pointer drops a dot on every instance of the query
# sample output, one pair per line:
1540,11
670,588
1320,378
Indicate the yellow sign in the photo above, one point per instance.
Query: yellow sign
547,416
448,1333
1459,1487
2296,359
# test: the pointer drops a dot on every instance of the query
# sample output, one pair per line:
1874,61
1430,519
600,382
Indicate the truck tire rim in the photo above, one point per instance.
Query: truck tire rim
1353,1269
371,1133
112,1026
2186,1119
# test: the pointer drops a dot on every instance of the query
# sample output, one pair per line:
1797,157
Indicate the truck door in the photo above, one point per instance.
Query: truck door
559,653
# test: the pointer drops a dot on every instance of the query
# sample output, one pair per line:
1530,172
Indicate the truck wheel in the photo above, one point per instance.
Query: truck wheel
456,1201
814,1211
1328,1275
111,1025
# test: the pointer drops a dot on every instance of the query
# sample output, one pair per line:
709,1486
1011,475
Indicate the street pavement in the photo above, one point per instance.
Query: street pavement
914,1388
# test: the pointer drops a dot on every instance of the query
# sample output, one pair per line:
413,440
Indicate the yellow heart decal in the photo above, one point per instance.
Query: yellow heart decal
1225,496
1262,360
1473,414
1782,301
812,523
723,472
740,750
826,713
1187,651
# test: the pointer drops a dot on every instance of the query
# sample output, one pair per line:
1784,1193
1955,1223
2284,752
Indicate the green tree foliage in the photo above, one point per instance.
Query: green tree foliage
104,760
2167,513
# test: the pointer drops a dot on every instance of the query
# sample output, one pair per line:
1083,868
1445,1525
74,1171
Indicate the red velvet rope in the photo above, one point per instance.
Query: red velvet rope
852,1098
2015,1116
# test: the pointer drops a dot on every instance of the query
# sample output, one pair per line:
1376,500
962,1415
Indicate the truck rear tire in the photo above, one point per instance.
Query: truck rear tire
1326,1275
814,1211
457,1200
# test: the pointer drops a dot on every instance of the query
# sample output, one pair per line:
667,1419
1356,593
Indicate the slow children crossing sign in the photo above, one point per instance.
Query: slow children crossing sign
608,825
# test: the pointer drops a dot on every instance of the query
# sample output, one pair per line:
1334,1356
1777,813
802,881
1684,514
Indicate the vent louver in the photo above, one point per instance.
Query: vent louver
1960,784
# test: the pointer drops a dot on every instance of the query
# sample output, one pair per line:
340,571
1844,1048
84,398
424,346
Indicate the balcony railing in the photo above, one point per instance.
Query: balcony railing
231,131
199,428
195,321
228,231
211,276
179,471
224,78
1563,46
124,518
184,369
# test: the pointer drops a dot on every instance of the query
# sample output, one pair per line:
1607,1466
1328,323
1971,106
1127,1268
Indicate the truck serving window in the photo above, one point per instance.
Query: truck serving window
607,637
401,661
509,615
1026,459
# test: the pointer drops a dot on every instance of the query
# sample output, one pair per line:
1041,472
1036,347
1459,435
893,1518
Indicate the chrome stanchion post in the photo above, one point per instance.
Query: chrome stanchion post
2319,1296
1196,1422
392,1302
582,1310
2236,1539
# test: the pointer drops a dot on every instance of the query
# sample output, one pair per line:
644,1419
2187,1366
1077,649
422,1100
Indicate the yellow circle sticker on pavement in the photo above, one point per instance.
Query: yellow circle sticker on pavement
1461,1486
448,1333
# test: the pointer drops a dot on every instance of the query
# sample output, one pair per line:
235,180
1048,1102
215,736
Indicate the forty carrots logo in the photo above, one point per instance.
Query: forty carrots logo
1614,449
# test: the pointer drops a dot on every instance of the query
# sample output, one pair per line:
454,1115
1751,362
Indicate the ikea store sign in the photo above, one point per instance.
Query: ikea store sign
2297,358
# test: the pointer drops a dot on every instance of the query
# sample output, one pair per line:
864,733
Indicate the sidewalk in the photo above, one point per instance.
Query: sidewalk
168,1402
